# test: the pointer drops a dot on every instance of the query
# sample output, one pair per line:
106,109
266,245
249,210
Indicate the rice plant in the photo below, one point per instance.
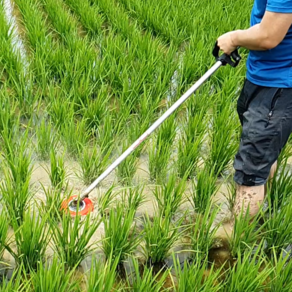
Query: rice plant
281,280
231,195
53,277
204,189
102,277
160,236
169,196
15,198
133,197
93,161
31,239
72,236
190,143
75,136
146,280
250,273
17,155
197,276
106,200
223,138
54,200
160,151
57,171
18,282
8,116
4,223
203,230
127,168
120,239
246,233
17,172
281,186
45,139
278,226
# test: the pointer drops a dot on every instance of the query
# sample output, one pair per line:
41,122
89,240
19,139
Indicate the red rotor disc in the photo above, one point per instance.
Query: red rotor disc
87,208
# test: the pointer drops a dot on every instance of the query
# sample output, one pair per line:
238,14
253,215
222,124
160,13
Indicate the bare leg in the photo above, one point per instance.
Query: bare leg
246,196
272,172
251,197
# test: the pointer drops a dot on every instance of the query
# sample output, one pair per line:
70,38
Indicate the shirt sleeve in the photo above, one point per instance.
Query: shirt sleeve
280,6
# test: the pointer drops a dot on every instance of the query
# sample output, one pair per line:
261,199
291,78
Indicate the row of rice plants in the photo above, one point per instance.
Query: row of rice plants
76,116
120,240
11,67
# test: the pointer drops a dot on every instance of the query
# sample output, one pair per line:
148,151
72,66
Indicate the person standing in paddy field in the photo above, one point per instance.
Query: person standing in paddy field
264,106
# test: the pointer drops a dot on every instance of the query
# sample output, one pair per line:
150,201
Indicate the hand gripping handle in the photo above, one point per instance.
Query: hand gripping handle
233,60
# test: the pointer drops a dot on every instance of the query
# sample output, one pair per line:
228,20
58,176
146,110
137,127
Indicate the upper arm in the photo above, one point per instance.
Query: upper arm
277,20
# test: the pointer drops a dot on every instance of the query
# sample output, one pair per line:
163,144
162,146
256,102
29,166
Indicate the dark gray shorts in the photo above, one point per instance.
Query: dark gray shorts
265,114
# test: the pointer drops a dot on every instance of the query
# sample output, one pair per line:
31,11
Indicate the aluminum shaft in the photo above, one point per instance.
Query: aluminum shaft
175,106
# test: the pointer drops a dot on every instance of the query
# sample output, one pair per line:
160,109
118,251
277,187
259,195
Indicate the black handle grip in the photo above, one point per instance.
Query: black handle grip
233,60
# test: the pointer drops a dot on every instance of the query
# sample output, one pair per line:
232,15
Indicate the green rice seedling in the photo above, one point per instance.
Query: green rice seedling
281,187
27,96
109,130
46,140
160,236
102,277
15,197
203,230
197,275
231,195
4,223
61,20
106,200
160,152
146,280
17,173
54,198
203,189
278,226
31,239
119,239
190,143
169,196
281,279
17,156
93,161
127,168
8,117
133,197
60,107
53,277
75,135
87,15
223,138
249,273
246,233
18,282
57,171
95,110
72,236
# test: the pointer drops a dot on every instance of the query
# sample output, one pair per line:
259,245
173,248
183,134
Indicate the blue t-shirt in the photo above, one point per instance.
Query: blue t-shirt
273,67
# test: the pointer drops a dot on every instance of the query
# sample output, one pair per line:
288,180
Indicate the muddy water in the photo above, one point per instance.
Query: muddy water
40,178
15,30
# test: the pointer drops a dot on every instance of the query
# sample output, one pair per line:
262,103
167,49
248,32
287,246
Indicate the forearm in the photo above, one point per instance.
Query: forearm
255,38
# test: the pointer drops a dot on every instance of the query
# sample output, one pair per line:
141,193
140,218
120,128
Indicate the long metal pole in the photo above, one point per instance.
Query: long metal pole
176,105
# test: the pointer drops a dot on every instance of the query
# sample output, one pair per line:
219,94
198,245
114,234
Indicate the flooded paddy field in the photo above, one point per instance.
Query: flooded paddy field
80,81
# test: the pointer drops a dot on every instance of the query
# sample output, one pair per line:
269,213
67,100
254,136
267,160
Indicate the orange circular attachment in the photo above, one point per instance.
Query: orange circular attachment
86,206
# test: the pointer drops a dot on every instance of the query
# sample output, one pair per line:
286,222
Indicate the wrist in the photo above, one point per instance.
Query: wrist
235,38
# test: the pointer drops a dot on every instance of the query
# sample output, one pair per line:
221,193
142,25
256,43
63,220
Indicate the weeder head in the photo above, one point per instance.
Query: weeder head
71,204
